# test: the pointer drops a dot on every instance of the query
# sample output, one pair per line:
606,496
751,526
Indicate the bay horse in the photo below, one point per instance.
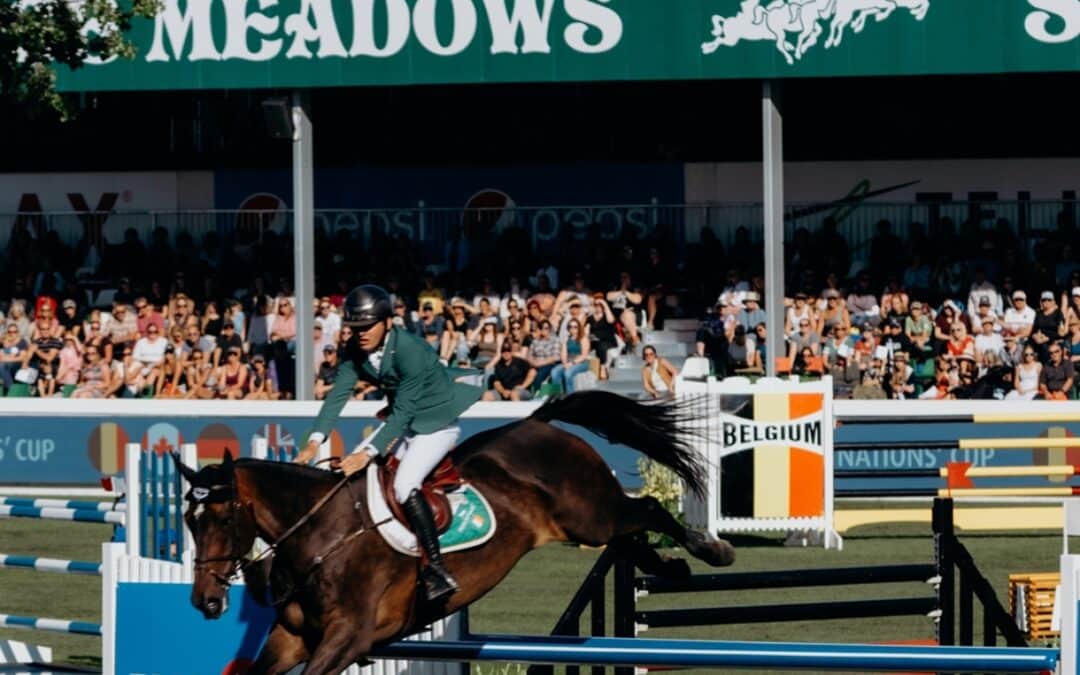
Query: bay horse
341,588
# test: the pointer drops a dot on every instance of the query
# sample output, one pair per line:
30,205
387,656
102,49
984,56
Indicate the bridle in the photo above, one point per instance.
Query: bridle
227,494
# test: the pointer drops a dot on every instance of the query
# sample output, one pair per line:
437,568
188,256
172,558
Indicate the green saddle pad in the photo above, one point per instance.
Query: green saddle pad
473,523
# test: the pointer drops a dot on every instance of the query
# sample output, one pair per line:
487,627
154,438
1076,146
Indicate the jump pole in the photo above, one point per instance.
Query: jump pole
707,654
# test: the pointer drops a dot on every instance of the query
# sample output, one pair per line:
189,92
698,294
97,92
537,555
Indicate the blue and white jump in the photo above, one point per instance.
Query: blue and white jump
50,564
63,504
54,625
52,513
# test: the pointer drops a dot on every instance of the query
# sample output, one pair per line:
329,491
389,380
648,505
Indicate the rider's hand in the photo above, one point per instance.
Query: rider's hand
308,453
355,462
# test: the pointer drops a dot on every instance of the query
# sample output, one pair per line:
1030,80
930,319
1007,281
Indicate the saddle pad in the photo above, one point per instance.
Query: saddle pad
473,521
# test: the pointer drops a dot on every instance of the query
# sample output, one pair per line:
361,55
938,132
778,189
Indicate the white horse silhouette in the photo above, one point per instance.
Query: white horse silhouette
810,12
856,12
754,22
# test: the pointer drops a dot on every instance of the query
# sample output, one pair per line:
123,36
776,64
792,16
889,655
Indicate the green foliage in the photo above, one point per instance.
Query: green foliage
662,483
35,35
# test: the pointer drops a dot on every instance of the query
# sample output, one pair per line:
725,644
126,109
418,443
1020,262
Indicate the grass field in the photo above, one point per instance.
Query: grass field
531,599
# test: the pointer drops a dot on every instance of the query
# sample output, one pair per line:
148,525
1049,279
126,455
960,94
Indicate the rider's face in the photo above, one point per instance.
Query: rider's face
372,338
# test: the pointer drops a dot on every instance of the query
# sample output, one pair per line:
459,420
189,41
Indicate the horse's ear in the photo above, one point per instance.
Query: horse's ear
186,471
227,462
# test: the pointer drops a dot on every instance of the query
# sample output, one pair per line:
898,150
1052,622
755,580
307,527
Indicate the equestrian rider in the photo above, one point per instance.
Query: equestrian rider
421,427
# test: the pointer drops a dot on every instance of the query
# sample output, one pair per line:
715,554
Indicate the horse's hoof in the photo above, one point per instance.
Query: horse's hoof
718,553
675,568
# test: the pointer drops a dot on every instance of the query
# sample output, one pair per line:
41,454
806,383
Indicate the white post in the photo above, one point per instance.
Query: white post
1068,603
189,455
773,151
830,536
134,519
109,554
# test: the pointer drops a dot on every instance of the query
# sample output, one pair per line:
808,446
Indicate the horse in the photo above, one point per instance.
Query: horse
340,588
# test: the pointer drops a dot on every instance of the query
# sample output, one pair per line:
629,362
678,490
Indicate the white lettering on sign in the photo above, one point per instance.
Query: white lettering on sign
515,26
34,449
1065,13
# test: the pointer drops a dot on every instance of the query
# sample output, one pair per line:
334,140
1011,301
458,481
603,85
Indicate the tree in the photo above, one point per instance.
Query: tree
36,34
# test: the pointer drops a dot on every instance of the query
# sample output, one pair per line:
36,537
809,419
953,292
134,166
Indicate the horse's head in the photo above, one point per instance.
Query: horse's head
223,529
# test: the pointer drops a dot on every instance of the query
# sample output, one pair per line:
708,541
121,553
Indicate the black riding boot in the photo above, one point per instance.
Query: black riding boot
437,580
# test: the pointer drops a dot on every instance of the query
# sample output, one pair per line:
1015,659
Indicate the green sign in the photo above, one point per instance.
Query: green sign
320,43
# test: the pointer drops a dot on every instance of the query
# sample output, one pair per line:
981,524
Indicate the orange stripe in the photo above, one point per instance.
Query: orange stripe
807,487
801,405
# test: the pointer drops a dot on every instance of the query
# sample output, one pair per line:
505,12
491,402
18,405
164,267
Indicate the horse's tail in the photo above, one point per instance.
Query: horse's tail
655,429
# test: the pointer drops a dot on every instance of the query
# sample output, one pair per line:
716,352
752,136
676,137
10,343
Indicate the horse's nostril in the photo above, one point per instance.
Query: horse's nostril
213,606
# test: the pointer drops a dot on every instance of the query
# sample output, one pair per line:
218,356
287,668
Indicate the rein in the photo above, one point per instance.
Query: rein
239,564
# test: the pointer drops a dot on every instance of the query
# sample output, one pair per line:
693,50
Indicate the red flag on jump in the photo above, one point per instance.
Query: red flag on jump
958,477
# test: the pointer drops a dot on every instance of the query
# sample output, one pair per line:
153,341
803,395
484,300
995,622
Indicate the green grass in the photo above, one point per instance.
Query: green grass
531,599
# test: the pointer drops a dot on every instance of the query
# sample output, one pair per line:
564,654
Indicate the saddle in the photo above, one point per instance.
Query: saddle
444,478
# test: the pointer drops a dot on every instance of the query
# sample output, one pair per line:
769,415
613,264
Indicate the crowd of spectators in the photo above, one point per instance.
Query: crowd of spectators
942,313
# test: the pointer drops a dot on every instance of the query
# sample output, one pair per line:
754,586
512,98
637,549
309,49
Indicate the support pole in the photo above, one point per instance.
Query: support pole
303,245
773,162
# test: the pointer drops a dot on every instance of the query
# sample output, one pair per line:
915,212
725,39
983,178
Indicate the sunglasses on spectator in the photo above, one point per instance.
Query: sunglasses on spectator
127,352
1029,353
95,325
12,331
152,331
234,353
804,323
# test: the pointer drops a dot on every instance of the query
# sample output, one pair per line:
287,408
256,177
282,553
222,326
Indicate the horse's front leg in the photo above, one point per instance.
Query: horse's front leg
346,640
282,651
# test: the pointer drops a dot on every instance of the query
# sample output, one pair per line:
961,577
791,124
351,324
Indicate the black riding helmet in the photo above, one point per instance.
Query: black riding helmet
366,305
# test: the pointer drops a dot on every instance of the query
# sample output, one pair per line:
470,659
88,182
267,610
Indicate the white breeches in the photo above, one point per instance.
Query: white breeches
419,455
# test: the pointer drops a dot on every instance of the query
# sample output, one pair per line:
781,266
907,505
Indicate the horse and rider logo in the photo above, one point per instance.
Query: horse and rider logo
803,21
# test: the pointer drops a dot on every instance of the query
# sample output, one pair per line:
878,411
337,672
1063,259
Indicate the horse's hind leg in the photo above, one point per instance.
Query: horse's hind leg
646,558
646,513
280,654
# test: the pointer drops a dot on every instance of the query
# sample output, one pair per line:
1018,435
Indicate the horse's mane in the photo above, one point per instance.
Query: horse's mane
287,470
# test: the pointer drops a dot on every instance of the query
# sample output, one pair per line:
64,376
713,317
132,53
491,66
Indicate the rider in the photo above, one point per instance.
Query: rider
424,404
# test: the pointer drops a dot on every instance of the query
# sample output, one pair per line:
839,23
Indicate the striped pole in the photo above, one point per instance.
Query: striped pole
50,564
54,625
962,444
62,504
62,514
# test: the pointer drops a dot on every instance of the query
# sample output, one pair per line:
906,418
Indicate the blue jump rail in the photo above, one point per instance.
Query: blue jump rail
49,513
705,654
50,564
54,625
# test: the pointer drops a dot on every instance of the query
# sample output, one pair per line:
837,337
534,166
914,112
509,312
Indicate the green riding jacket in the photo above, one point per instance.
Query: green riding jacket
422,397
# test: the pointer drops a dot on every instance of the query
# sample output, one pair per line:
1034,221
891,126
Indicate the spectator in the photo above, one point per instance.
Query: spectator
1012,353
429,294
262,323
123,327
519,337
751,314
625,302
234,314
132,376
544,352
895,339
70,361
845,374
260,386
1028,376
17,316
894,301
575,356
945,378
983,293
804,363
455,337
346,335
712,338
657,375
180,310
799,311
602,334
95,380
431,325
862,304
1020,318
69,319
949,315
327,372
211,320
983,312
228,339
1057,376
149,351
835,314
200,375
511,378
232,377
901,385
574,313
988,341
171,378
14,351
804,338
741,352
330,321
46,381
1072,311
1049,325
487,292
146,316
45,344
484,344
920,330
961,346
402,318
834,344
872,386
758,340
